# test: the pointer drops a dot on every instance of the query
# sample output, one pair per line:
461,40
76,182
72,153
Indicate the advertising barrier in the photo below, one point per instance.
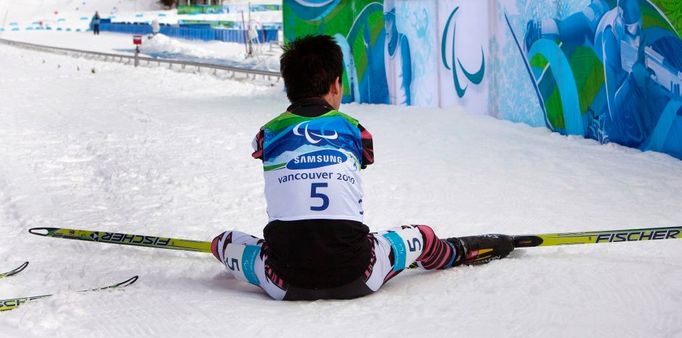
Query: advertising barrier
191,32
610,70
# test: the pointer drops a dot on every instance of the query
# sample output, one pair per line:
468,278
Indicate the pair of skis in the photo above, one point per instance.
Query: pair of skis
522,241
13,303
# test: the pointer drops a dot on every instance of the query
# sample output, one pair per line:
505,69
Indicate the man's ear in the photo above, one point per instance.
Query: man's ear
336,86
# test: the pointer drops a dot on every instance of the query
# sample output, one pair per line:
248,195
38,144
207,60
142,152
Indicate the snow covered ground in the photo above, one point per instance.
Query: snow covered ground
157,152
19,20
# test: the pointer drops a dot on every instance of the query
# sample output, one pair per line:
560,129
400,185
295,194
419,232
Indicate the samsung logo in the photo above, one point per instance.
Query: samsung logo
317,159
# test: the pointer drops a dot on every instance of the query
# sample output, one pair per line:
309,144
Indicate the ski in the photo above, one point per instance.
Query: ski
598,237
124,239
14,271
13,303
520,241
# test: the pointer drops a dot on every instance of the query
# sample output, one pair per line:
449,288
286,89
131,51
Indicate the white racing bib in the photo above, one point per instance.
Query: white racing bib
312,168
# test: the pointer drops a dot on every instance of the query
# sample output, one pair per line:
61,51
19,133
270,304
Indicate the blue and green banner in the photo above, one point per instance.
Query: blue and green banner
402,52
610,70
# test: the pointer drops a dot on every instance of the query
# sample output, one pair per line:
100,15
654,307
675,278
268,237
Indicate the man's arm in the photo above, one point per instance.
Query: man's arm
367,147
257,145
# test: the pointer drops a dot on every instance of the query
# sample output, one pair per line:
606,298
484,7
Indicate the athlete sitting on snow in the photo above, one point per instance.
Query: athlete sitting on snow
316,246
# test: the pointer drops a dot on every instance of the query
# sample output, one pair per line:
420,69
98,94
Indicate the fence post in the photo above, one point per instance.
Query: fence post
137,40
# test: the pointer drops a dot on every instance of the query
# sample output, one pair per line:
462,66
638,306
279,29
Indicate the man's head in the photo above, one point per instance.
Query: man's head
312,67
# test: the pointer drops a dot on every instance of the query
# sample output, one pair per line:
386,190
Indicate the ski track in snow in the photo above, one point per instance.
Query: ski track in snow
157,152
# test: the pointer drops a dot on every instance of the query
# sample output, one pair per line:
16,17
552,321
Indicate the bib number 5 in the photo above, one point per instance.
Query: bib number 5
315,193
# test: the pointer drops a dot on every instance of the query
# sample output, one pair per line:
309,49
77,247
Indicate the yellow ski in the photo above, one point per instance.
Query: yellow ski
520,241
598,237
124,239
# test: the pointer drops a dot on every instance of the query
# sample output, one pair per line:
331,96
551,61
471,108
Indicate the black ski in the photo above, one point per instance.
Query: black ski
14,271
12,303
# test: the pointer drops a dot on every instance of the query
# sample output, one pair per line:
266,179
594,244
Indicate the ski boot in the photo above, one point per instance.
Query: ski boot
481,249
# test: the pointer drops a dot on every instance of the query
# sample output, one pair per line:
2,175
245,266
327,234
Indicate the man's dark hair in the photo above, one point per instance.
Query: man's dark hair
310,65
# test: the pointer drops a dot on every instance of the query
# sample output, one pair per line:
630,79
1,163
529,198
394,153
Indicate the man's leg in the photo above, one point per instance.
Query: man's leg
401,247
242,256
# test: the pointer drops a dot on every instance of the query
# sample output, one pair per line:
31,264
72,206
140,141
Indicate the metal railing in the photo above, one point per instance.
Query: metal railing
133,60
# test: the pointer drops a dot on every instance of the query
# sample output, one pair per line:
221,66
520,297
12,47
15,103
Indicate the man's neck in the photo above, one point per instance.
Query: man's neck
310,107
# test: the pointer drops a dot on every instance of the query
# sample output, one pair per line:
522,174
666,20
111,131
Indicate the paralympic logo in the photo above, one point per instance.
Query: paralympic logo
475,77
312,137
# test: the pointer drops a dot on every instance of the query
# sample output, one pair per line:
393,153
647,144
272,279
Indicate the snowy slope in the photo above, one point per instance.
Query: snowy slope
156,152
22,21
